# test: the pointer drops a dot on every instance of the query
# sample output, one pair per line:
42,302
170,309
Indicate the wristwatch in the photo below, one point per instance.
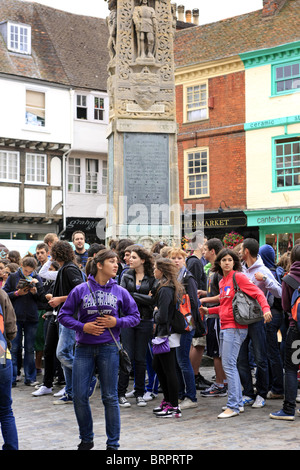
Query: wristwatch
264,278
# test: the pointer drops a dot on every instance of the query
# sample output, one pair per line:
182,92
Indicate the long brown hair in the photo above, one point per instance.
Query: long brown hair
170,273
100,257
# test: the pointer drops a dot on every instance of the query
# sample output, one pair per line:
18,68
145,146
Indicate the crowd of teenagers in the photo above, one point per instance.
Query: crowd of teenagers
67,309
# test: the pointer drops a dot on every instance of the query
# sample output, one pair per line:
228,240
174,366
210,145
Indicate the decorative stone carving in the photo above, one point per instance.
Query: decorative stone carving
145,23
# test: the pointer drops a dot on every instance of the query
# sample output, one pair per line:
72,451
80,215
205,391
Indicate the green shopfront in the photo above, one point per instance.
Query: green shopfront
278,227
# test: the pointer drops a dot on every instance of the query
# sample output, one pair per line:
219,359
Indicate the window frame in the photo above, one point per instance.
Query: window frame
91,107
187,175
274,80
83,180
8,159
290,139
10,47
185,101
29,125
36,155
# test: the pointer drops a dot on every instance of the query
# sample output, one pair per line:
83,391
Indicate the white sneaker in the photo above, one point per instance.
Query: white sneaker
259,402
42,391
60,393
241,408
188,403
148,396
140,401
228,413
130,394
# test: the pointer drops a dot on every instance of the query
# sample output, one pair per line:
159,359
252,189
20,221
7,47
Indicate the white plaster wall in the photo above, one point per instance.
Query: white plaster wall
35,200
9,199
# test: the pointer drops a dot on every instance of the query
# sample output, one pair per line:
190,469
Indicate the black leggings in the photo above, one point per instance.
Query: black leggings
165,367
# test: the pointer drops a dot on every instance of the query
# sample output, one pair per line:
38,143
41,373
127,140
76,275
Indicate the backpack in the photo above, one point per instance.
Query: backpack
3,342
295,301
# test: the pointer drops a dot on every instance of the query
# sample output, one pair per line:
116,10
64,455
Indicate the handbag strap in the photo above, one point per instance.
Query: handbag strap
101,315
235,284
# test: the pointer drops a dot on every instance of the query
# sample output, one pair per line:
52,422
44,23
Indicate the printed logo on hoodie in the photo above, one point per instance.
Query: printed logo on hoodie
104,299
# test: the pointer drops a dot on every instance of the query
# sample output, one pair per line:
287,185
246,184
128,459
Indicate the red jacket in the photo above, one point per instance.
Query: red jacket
224,310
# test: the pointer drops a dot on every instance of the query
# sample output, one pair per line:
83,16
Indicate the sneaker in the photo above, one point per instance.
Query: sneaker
93,386
201,383
160,407
169,412
124,403
188,403
85,445
214,391
31,384
281,415
259,402
61,393
140,401
42,390
130,394
241,408
65,400
247,400
148,396
274,396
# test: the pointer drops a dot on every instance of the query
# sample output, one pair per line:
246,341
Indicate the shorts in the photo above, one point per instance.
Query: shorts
213,337
200,341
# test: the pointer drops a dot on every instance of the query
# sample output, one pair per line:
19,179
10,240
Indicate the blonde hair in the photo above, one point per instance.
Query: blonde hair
177,252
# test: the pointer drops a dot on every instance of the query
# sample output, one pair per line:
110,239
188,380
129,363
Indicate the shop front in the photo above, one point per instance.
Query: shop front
92,227
279,228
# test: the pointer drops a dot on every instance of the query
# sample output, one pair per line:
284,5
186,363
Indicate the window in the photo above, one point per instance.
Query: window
90,107
35,108
9,166
98,108
36,168
87,175
81,112
197,173
91,176
286,78
19,38
287,163
74,175
196,102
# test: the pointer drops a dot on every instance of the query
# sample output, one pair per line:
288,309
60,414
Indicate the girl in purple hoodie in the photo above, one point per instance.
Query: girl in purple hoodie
95,346
292,353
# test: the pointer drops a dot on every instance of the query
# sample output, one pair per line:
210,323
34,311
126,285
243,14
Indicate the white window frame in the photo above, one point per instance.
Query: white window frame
29,125
8,157
20,45
36,158
101,180
201,108
188,175
77,184
91,109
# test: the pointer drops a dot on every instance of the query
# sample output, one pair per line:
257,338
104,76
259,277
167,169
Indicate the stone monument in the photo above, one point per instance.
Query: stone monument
143,190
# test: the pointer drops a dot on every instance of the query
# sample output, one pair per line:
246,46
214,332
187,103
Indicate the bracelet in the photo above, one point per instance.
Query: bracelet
16,293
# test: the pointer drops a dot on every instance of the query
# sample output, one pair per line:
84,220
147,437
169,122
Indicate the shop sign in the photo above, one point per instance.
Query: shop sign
274,218
214,223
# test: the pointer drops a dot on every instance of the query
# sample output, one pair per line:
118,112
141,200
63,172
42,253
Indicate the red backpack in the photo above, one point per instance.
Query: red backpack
295,301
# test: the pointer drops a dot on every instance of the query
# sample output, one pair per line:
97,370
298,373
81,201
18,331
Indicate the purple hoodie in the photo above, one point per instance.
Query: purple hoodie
111,299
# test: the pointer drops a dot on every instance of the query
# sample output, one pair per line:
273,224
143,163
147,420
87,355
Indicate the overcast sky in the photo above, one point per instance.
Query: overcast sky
210,11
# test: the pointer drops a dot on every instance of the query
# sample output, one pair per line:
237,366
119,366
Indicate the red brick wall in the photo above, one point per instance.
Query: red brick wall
224,136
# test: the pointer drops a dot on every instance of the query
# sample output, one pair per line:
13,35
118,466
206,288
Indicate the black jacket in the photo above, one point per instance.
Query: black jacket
165,311
195,266
68,277
144,301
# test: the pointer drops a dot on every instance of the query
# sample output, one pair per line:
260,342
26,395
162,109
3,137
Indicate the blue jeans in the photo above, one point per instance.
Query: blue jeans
274,355
257,334
186,376
65,354
7,420
106,358
231,341
152,385
29,329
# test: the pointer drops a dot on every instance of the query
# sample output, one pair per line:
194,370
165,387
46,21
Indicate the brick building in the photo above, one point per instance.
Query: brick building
211,112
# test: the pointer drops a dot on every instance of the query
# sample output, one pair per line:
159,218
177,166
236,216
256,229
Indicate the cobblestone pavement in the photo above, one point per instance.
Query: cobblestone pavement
44,426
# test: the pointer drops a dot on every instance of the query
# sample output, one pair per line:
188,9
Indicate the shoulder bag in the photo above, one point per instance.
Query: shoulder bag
246,309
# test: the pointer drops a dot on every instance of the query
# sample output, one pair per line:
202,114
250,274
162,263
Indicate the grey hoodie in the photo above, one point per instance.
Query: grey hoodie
270,285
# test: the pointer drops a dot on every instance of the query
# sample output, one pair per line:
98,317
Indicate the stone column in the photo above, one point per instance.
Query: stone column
143,190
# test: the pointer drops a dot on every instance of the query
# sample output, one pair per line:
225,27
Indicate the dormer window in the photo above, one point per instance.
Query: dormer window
17,37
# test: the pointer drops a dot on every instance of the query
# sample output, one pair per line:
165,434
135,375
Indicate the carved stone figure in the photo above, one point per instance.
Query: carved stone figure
112,28
145,23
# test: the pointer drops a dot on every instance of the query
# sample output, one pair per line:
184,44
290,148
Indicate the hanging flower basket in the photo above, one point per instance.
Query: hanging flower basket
232,239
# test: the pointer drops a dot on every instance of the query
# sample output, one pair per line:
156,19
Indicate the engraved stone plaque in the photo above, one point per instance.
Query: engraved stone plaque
146,177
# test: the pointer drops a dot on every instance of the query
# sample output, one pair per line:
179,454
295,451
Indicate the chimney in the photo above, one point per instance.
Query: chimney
271,7
180,11
188,16
196,16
